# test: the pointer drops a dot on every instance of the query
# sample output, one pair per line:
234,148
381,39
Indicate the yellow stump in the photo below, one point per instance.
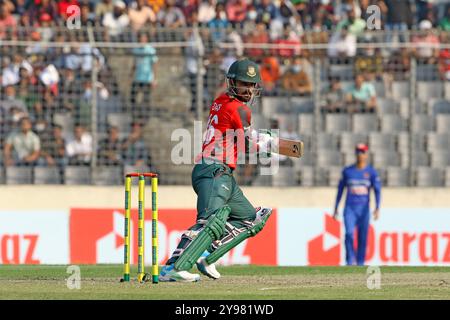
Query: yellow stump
155,271
127,248
141,218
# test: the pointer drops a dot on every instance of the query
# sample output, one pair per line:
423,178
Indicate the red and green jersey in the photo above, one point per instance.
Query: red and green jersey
228,119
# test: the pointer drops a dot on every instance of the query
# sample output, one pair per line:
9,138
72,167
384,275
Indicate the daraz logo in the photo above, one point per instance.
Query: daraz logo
324,250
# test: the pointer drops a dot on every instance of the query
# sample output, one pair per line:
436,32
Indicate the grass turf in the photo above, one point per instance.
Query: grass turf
237,282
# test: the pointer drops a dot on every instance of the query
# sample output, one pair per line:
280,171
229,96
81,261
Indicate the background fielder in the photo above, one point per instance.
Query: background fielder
358,178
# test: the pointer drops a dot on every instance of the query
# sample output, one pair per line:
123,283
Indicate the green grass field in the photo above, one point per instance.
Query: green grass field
237,282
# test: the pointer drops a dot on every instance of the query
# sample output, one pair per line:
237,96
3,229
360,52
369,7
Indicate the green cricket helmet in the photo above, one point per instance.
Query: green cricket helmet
247,71
244,70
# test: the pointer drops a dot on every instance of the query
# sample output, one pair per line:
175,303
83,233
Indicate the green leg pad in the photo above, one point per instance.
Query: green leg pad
229,241
225,247
213,230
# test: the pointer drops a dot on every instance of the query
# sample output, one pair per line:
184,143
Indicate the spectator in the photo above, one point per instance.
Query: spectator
426,47
214,72
102,8
266,12
62,7
70,90
10,100
441,8
259,35
37,50
444,23
289,44
53,148
135,152
318,36
38,8
333,97
42,129
296,79
444,58
192,53
79,149
89,56
82,55
397,67
13,118
38,113
341,10
11,74
361,97
49,77
83,111
156,5
87,17
140,15
342,44
6,20
110,148
189,8
285,12
323,16
423,9
171,16
102,91
22,147
399,16
45,27
144,76
366,14
355,25
236,11
251,16
26,90
207,11
270,74
116,21
20,8
219,24
369,62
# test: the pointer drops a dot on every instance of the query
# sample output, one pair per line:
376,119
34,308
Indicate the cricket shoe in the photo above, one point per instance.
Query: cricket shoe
170,274
208,270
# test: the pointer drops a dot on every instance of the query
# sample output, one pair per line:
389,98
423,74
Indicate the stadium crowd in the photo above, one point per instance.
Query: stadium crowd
31,79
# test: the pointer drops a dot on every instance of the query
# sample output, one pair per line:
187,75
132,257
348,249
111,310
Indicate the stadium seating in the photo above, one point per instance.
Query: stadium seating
19,175
429,177
406,135
397,177
47,175
74,175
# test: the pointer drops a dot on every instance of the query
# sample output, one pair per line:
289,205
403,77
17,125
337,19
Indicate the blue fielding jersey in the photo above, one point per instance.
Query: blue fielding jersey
359,182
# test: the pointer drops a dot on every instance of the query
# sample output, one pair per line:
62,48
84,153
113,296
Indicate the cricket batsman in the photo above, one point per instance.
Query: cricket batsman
359,179
225,217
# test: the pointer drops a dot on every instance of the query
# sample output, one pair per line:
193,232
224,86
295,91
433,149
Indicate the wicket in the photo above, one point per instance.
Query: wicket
142,276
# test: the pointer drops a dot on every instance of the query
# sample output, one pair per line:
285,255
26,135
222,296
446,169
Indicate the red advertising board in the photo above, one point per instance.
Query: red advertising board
96,236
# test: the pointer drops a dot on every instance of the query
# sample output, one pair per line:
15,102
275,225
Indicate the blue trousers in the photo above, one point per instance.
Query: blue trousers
356,217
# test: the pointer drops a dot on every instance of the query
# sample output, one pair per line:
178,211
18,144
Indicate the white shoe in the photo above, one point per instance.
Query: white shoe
262,213
208,270
170,274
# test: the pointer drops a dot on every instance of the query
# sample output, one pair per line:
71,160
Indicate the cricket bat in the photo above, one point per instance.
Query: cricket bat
290,148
